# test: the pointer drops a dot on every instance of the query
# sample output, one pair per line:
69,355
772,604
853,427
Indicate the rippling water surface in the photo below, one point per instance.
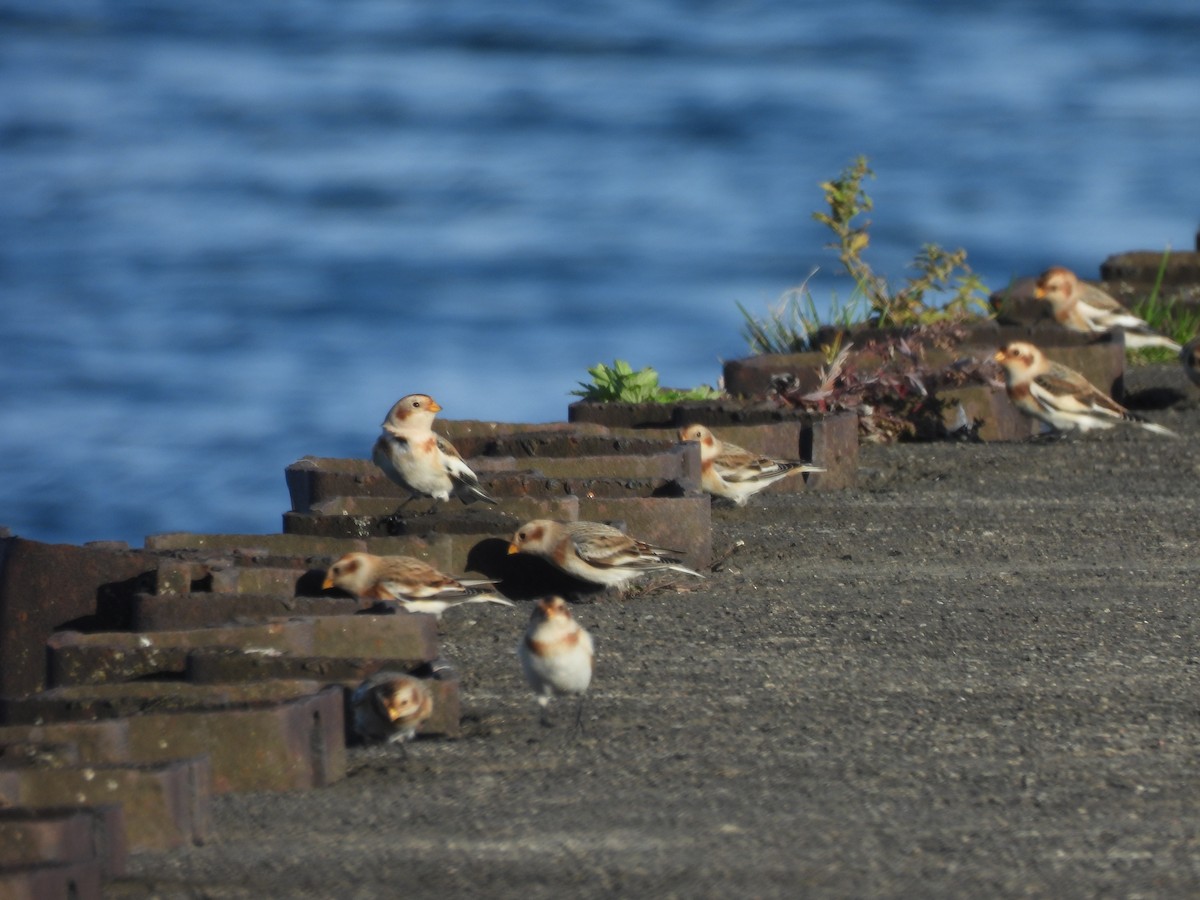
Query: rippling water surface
232,234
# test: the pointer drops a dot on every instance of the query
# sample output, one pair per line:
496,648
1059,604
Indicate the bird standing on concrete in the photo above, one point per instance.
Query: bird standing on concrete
557,656
727,470
413,583
594,552
1059,396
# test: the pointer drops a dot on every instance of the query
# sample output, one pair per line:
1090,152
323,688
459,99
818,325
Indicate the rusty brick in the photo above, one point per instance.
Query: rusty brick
292,744
421,521
35,753
37,836
999,419
295,545
665,465
274,735
76,881
28,837
165,805
223,666
76,658
519,448
620,415
475,439
44,587
404,634
832,442
88,702
252,579
94,742
1142,266
154,612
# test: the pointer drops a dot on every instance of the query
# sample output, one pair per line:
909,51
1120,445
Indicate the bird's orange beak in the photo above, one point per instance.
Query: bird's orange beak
433,406
513,548
999,356
327,583
1039,292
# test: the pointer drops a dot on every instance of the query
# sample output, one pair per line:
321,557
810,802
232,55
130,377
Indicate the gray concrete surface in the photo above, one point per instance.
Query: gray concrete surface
974,675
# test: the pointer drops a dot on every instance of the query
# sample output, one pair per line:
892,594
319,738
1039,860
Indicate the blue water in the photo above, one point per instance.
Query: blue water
232,234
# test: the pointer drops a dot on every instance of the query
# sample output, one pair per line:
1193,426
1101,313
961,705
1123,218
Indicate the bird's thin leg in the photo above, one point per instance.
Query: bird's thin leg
579,715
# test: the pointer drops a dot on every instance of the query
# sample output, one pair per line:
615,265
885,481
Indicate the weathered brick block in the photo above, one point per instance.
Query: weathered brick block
70,881
222,667
156,612
88,702
94,742
402,635
166,805
526,503
45,586
76,658
59,835
274,735
288,745
295,545
1000,420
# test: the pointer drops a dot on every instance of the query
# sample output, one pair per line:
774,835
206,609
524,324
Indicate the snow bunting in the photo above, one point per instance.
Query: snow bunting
1189,356
420,461
1081,307
726,470
1058,396
556,655
390,705
414,583
594,552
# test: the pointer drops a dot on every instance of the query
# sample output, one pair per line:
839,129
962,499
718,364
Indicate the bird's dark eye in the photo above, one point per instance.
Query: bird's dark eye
520,535
416,404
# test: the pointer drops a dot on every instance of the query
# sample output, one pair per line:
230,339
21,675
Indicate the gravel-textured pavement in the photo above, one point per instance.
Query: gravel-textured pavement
974,675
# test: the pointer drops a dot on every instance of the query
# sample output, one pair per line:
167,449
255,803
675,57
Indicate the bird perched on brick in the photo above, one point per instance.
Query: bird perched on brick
422,462
390,706
594,552
1189,357
557,656
415,584
1059,396
1081,307
727,470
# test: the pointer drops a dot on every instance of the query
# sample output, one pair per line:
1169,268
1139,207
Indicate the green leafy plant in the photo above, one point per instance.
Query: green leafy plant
620,383
1177,321
794,322
938,270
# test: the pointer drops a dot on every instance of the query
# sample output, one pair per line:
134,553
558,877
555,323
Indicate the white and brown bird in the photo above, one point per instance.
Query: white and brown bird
1189,358
557,656
1060,396
1079,306
415,584
422,462
594,552
727,470
390,706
